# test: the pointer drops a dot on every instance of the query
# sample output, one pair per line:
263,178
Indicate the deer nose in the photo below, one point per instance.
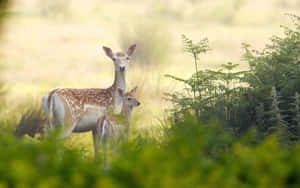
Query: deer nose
122,68
138,103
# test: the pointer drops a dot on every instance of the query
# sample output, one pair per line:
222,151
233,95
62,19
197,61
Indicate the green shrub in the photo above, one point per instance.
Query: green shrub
276,69
190,154
194,154
29,163
262,97
210,95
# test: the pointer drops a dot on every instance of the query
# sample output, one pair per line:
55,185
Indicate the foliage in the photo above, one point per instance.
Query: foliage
190,154
195,50
196,150
215,93
262,97
196,154
43,164
276,68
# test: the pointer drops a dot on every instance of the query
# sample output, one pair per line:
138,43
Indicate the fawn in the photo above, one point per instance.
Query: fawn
115,127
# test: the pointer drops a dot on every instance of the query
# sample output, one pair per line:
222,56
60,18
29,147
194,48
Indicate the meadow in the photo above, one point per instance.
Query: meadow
177,140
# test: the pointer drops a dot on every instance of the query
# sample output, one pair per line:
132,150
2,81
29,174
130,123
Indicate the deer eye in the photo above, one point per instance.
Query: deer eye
129,99
128,58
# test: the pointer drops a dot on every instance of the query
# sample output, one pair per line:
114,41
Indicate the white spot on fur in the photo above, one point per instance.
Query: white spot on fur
94,107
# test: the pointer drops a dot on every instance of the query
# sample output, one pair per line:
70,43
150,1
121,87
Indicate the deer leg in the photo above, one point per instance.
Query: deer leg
62,116
45,106
104,146
96,140
105,136
49,119
55,111
68,130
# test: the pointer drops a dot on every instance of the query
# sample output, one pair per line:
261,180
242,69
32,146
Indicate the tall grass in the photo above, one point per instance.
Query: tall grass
33,122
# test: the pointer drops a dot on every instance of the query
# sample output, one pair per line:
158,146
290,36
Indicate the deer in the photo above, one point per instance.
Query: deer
77,110
112,127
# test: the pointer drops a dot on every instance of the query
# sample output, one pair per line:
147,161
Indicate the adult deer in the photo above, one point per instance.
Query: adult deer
115,127
77,110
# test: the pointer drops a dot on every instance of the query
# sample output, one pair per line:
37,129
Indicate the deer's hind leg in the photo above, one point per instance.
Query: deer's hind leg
62,117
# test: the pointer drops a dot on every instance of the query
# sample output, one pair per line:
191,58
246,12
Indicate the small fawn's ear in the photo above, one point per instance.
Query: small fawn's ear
134,90
121,92
108,51
131,49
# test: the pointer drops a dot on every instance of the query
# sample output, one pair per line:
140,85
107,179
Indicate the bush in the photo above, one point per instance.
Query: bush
190,154
263,97
195,154
44,164
210,95
274,80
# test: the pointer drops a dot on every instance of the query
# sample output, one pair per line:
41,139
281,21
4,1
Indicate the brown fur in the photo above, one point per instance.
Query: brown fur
77,98
120,54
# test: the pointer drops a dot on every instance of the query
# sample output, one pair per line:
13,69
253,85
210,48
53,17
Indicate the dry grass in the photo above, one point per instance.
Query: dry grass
33,122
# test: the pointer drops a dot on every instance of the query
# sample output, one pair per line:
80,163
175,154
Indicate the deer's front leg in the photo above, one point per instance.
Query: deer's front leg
96,140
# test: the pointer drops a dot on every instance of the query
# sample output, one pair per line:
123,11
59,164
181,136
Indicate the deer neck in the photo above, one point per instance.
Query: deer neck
119,82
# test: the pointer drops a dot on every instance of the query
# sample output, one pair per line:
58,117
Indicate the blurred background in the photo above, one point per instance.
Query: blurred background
58,43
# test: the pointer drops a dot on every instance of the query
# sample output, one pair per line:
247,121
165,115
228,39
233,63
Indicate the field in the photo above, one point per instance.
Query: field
56,44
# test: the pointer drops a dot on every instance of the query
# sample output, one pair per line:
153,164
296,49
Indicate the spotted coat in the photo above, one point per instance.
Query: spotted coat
80,100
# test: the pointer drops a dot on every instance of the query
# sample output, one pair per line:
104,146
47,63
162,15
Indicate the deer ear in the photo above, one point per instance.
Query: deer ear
134,90
131,49
121,92
108,51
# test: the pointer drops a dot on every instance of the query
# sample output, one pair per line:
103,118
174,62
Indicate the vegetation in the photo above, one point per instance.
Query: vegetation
32,123
207,141
263,97
232,124
190,154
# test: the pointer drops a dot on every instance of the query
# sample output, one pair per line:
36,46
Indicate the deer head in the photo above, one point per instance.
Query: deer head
121,60
129,99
